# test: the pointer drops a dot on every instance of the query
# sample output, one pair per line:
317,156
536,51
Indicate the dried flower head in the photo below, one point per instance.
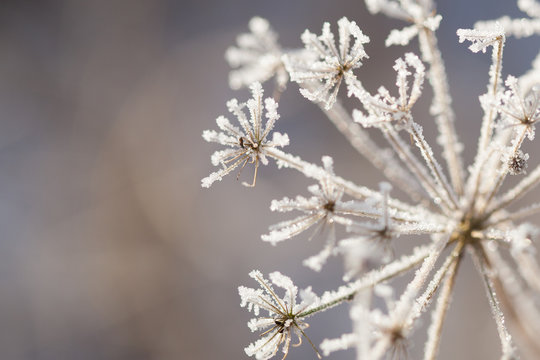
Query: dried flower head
322,73
517,163
520,110
322,209
257,56
248,144
284,315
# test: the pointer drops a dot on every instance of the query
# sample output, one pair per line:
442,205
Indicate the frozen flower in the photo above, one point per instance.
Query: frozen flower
520,110
284,315
322,74
248,144
467,215
323,208
257,57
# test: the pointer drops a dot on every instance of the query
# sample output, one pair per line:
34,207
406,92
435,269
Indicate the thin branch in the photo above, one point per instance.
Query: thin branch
523,313
439,313
361,142
417,169
433,165
481,264
494,82
501,175
518,191
316,172
442,108
515,215
372,278
423,301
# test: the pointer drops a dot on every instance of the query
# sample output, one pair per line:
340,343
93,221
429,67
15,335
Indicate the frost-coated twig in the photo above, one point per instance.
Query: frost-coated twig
316,172
438,315
516,215
380,158
501,174
524,186
529,269
388,113
400,317
403,307
524,313
494,83
480,261
480,42
433,165
310,170
370,279
442,108
450,262
417,168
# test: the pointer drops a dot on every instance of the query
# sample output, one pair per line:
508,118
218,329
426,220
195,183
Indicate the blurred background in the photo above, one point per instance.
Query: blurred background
109,248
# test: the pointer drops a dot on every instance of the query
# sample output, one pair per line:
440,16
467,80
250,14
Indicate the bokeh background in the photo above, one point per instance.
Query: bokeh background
109,248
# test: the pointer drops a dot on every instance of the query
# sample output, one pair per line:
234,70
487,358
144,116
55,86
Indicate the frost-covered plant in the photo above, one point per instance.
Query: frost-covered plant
463,211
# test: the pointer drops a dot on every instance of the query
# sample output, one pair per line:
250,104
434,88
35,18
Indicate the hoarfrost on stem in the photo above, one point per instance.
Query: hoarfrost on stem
257,56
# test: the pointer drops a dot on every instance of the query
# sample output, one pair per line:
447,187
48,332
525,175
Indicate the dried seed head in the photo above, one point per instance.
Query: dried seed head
517,163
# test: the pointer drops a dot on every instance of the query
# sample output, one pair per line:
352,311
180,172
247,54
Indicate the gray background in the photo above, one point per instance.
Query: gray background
109,248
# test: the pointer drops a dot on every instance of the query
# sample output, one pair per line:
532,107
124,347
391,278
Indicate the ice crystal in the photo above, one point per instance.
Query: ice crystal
458,213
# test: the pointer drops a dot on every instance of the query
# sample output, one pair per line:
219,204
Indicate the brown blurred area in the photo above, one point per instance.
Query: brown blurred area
109,248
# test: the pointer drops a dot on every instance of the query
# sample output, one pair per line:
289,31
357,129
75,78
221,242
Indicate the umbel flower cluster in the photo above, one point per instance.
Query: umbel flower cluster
459,211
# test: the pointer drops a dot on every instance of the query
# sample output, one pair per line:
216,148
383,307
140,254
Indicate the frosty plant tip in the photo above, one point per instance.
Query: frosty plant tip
248,144
286,316
458,210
